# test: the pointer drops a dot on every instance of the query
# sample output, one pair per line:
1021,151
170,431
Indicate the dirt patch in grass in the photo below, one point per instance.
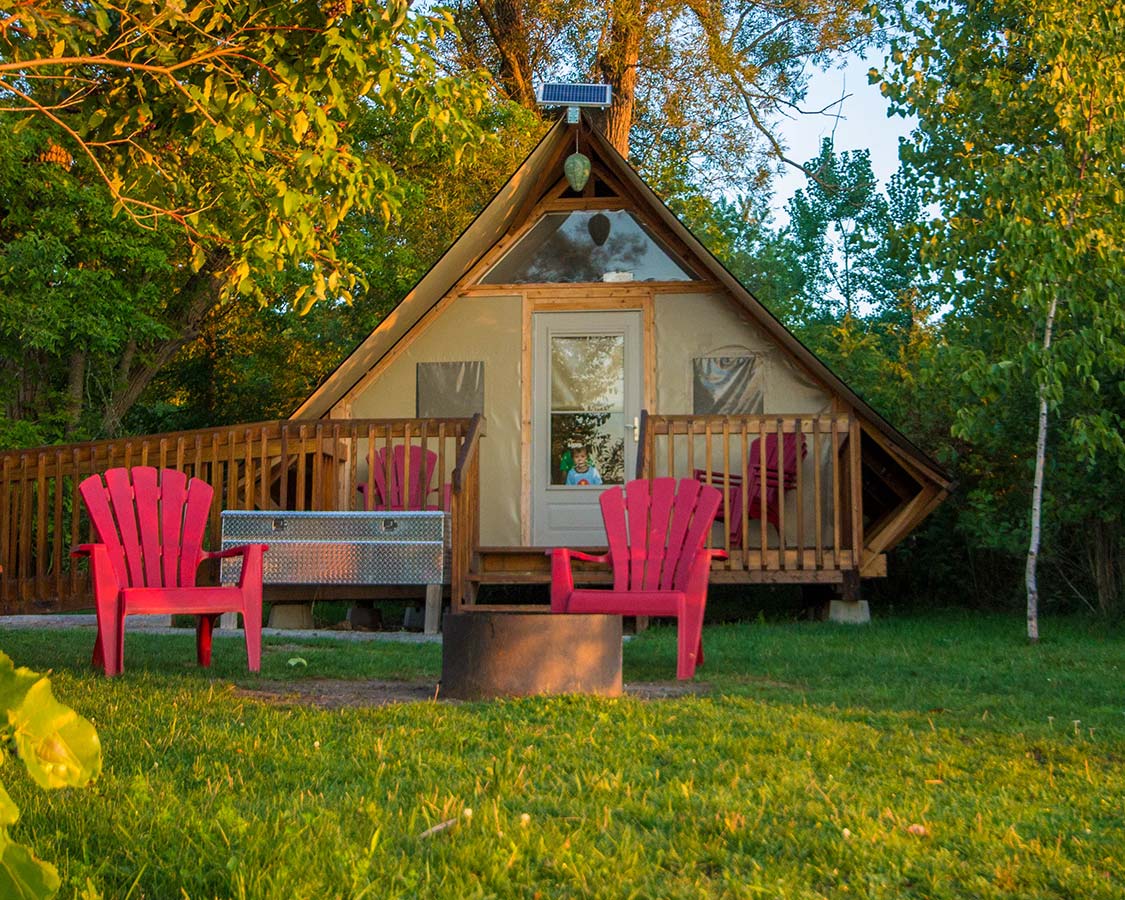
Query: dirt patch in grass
667,690
339,693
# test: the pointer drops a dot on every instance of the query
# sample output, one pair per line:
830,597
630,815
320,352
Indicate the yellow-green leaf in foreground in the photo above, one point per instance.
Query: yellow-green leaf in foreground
14,685
23,876
9,812
59,747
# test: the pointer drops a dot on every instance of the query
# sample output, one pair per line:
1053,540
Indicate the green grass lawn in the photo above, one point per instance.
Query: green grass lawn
935,756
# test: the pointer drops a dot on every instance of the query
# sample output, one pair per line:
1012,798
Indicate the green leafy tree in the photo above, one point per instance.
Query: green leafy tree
232,119
161,166
1021,141
82,293
58,747
836,224
697,87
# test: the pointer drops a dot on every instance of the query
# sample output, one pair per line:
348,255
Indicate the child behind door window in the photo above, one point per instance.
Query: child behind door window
582,472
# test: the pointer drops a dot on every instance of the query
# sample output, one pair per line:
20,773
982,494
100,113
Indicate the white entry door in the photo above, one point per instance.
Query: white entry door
586,400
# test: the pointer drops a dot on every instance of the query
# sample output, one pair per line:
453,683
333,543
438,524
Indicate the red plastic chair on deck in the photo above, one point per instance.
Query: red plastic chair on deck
778,479
393,497
150,525
660,566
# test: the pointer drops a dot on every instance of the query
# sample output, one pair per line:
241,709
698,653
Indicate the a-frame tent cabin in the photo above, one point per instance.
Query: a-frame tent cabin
596,321
559,323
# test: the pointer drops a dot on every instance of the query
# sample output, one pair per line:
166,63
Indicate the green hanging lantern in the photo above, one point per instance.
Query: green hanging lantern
577,169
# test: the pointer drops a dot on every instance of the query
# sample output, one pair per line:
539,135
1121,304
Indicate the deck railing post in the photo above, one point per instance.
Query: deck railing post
856,475
643,450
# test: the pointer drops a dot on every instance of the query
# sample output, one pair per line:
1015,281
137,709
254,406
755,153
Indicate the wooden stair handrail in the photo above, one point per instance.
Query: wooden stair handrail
465,516
467,451
642,445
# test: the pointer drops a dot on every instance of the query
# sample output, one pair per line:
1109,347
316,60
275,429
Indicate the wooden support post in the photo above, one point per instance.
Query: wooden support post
432,624
855,470
849,609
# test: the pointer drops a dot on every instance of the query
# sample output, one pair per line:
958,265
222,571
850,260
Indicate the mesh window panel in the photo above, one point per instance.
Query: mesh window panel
727,385
450,390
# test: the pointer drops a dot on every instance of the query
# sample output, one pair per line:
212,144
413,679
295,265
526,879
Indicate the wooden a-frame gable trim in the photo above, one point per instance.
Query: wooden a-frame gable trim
509,215
914,467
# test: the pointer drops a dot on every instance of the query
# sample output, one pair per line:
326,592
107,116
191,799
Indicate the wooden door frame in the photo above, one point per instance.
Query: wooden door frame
577,298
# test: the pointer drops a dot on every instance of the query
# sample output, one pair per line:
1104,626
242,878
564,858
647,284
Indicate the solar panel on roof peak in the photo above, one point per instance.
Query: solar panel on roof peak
561,94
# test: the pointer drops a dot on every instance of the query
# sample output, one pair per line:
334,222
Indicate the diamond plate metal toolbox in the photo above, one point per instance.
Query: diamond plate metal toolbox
340,547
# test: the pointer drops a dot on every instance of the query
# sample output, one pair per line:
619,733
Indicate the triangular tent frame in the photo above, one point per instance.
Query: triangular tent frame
538,184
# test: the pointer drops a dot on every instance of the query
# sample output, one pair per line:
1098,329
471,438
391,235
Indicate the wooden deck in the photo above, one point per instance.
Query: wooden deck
850,500
532,565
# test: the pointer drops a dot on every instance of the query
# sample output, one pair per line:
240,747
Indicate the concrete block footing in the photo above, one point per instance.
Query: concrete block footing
291,616
849,612
228,621
150,620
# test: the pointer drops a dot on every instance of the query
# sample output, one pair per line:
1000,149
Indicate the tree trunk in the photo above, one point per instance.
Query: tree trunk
16,372
616,65
31,377
75,392
1106,561
197,297
506,25
1037,490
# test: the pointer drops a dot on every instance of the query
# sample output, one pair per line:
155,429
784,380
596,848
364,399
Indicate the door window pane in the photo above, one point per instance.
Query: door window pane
588,372
587,423
600,436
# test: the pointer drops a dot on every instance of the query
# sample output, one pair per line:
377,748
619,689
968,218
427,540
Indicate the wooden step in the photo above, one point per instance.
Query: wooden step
532,565
507,607
524,559
509,577
536,577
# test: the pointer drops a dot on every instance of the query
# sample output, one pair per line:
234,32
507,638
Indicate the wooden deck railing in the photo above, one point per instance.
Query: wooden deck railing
289,464
819,530
465,514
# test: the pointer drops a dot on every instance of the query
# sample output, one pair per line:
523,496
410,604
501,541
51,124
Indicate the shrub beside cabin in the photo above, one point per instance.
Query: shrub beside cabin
564,342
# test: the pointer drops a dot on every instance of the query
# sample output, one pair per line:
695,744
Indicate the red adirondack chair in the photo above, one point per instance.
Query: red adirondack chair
150,526
759,506
660,566
422,465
